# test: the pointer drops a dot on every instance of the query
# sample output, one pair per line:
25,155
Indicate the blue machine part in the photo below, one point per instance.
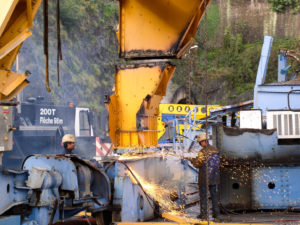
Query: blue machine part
61,164
253,145
54,187
169,172
282,68
13,220
265,94
276,187
135,206
170,133
276,144
263,65
48,202
263,144
129,196
82,178
13,190
168,117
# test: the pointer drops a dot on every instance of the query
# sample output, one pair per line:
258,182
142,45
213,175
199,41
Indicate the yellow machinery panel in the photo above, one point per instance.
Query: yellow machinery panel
181,110
134,108
158,28
16,18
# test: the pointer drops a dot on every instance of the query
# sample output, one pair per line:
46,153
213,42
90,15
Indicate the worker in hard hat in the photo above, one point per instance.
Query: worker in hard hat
208,157
68,142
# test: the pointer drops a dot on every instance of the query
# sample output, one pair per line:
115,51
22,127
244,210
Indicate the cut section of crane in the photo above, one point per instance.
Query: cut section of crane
158,28
134,107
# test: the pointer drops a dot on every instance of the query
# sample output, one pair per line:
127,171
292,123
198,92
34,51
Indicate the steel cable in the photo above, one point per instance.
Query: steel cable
59,51
206,115
46,45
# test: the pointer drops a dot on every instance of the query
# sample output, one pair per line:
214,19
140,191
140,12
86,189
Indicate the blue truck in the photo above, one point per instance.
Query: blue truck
39,127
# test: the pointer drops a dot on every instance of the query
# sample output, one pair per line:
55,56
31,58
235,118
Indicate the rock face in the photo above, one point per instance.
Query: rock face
254,19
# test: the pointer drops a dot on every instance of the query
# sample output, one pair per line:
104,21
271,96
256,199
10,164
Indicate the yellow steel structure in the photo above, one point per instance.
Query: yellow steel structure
180,220
134,107
158,28
148,29
16,18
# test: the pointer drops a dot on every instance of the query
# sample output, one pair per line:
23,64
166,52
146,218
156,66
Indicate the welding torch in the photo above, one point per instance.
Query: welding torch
187,158
180,156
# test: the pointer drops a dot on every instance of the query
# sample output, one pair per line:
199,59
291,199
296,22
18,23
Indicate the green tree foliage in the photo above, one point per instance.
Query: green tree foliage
212,20
283,5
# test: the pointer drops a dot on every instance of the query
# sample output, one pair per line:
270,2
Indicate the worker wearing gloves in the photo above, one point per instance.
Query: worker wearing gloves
68,142
210,153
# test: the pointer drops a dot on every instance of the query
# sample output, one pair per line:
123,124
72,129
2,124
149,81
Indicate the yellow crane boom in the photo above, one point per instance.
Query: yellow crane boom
16,19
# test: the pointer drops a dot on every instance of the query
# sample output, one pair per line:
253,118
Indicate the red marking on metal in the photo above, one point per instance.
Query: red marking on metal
104,146
5,111
101,148
98,150
110,151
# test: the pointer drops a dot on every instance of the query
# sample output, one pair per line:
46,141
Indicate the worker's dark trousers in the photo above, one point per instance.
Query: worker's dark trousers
214,199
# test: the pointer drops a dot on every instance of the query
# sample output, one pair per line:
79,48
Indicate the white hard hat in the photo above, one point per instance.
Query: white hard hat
202,137
68,138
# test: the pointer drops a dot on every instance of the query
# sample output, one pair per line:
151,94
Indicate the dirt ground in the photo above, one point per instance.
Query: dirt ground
262,217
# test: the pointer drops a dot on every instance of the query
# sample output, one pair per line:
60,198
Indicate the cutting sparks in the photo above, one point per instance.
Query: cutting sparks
157,193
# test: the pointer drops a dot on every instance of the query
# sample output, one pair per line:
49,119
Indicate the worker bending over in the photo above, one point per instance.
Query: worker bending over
212,162
68,142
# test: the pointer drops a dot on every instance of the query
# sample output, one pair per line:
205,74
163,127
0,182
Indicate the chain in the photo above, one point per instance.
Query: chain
188,79
206,108
59,52
46,45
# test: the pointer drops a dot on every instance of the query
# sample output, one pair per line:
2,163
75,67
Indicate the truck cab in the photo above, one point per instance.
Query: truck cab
40,127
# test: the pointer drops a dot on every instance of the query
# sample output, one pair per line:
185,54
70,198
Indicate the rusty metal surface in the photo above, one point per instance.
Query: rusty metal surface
254,145
235,131
295,81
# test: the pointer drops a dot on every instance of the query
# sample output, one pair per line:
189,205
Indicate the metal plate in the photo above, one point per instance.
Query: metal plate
158,28
276,187
5,126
